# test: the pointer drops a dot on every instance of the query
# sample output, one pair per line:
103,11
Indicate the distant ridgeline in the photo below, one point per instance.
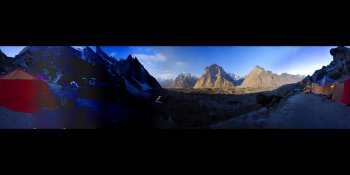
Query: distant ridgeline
338,69
91,72
184,81
259,77
216,77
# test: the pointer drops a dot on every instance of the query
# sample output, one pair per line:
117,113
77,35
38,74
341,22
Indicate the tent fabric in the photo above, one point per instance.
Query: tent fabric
328,90
23,92
317,89
307,89
325,80
323,86
346,95
338,90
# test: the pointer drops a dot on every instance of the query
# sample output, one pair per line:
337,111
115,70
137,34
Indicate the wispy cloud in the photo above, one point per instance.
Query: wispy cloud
166,75
157,57
151,61
143,48
179,63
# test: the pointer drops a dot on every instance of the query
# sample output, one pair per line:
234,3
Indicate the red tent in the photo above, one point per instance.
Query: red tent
346,96
23,92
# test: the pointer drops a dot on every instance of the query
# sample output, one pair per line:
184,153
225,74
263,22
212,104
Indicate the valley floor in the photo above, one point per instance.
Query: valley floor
301,111
200,108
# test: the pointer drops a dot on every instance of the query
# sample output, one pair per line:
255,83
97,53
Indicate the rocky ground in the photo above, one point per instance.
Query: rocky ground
188,110
200,108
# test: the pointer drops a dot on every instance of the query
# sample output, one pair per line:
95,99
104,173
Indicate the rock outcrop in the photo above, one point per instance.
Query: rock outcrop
340,53
2,56
6,63
337,69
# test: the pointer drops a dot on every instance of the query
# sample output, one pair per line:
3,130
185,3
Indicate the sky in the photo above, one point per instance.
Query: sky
168,61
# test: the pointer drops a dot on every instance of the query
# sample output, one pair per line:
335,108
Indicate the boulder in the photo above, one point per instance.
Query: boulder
268,101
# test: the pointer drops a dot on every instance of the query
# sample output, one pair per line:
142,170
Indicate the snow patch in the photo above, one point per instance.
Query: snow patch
79,48
144,86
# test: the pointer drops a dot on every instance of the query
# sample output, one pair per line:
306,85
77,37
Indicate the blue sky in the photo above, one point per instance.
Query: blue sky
169,61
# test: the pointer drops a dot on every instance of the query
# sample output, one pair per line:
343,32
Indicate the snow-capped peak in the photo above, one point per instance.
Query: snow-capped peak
79,48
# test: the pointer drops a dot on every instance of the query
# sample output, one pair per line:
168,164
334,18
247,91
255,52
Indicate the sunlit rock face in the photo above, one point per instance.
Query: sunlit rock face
214,77
259,77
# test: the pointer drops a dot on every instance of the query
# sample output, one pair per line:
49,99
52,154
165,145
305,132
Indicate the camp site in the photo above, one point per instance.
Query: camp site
89,87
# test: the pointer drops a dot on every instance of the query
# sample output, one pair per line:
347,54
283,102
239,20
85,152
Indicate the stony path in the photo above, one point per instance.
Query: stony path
302,111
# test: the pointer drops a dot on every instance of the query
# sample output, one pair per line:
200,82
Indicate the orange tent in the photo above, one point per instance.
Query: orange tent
23,92
338,92
317,89
328,90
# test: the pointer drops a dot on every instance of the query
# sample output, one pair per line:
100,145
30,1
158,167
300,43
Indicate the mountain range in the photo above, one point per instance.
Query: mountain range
215,77
63,64
184,80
